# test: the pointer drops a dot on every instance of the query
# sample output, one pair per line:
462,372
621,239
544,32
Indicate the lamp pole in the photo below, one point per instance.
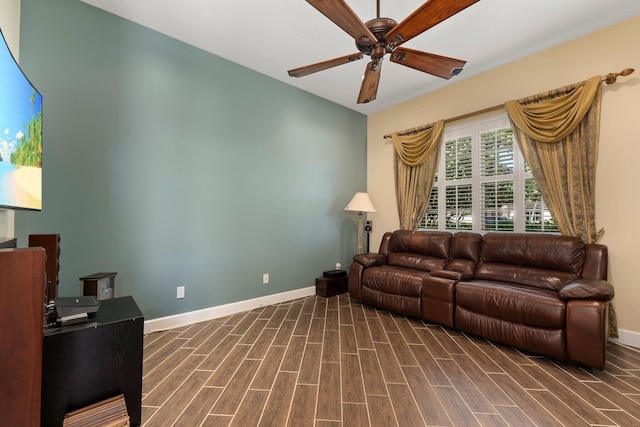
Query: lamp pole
360,247
360,203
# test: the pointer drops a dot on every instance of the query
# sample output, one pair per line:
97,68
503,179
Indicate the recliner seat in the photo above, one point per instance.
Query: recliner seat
541,293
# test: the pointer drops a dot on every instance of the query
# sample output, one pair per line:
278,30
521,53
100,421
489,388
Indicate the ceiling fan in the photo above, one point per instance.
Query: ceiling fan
380,36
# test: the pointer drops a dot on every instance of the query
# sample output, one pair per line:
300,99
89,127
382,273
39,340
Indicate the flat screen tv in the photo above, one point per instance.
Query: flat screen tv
20,136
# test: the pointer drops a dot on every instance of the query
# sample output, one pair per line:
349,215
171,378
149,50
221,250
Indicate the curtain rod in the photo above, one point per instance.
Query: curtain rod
608,79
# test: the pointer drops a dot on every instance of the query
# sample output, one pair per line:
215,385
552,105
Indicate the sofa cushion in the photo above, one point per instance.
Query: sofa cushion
465,252
434,243
545,341
466,245
530,276
552,252
544,261
394,280
419,250
513,303
410,306
416,261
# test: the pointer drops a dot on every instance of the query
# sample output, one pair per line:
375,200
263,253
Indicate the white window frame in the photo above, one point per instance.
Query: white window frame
475,127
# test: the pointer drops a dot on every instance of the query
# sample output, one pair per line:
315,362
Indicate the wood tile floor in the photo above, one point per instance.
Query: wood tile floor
334,362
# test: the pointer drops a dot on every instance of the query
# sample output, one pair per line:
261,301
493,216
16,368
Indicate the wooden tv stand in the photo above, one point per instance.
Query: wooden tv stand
92,361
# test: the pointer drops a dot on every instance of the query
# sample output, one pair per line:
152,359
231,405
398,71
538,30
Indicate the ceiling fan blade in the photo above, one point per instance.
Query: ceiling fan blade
426,16
369,87
319,66
344,17
441,66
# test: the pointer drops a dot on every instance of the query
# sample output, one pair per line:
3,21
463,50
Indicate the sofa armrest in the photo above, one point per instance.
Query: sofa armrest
588,289
448,274
586,332
370,259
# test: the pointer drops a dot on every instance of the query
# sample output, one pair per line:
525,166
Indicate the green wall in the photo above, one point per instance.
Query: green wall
172,166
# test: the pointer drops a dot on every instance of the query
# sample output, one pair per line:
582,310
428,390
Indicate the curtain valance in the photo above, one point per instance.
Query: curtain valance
416,147
552,117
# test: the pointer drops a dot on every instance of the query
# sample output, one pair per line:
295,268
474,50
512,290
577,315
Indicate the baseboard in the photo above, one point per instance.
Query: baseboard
183,319
627,337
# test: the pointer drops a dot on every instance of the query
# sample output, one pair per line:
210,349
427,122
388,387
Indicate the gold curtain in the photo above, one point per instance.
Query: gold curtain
558,134
415,165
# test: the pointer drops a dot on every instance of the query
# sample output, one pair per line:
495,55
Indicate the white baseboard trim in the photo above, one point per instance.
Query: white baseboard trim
183,319
627,337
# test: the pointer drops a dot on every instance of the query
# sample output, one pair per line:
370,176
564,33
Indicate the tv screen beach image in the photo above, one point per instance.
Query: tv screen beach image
20,137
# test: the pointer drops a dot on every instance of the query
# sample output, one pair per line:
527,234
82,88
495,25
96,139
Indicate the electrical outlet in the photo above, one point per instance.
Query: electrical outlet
265,278
180,292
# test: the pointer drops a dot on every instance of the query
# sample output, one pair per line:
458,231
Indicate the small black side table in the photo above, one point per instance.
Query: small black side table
85,363
329,286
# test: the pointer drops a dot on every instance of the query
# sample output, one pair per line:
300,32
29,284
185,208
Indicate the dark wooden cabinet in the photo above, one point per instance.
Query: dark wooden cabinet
22,313
89,362
331,286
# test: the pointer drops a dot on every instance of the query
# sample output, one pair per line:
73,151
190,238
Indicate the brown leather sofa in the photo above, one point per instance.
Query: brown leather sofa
541,293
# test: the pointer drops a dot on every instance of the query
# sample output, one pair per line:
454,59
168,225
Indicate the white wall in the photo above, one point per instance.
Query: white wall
617,204
10,25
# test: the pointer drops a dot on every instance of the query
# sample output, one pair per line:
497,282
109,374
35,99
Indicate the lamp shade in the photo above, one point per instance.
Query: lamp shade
360,203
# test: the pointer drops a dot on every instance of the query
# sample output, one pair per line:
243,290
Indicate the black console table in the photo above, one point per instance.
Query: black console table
92,361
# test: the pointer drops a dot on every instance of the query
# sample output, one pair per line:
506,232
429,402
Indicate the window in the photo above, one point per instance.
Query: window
486,184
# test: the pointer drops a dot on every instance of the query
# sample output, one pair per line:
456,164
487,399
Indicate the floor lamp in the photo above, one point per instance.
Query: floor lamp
360,203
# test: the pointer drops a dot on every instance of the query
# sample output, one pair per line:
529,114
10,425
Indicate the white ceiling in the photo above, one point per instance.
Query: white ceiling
273,36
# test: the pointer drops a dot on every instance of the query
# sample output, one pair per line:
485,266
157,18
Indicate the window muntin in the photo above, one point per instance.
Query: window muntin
487,184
